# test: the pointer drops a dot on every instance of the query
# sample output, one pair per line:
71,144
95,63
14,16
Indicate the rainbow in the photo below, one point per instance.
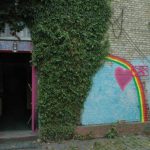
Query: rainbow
139,87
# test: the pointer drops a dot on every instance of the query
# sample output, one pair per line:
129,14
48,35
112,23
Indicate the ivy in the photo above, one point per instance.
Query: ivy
18,13
70,43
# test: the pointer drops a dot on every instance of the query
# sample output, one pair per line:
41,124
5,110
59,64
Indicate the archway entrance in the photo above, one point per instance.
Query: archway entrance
15,91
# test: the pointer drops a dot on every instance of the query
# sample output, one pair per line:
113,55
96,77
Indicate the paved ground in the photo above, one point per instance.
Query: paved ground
119,143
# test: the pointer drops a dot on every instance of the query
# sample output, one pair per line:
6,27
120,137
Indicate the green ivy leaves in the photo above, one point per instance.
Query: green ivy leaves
70,43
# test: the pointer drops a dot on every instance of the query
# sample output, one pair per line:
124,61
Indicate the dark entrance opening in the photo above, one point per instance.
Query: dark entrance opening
15,91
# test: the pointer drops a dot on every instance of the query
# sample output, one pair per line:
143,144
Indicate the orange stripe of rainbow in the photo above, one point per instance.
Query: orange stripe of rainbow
138,84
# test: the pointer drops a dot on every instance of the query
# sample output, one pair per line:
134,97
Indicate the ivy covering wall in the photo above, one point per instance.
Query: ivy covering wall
70,43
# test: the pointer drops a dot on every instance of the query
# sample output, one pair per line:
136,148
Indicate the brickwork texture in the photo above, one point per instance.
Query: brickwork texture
129,34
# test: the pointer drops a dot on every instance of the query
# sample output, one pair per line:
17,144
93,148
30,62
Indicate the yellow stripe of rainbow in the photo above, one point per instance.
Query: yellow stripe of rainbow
138,84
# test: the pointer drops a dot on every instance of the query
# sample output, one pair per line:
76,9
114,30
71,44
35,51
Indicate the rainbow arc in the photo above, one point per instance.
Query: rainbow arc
138,84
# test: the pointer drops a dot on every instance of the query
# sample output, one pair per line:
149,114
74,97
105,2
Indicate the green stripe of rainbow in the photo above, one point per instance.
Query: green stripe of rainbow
138,84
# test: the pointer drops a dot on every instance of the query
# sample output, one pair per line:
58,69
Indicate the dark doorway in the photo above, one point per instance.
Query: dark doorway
15,91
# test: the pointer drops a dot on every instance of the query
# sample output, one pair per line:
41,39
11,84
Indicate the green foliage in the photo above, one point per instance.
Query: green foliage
112,133
97,146
17,13
56,132
70,43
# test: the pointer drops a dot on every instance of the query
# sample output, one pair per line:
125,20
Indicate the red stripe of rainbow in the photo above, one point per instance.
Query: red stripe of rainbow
138,84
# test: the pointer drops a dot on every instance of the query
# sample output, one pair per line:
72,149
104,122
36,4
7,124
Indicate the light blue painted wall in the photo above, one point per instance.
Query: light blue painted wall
142,62
106,102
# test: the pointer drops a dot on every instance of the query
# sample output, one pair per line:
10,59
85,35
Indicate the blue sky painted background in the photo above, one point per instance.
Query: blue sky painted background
106,102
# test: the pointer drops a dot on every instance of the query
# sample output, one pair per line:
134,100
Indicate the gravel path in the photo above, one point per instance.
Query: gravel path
119,143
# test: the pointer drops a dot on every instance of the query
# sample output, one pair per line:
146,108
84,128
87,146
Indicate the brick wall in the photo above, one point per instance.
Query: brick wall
129,33
121,128
130,20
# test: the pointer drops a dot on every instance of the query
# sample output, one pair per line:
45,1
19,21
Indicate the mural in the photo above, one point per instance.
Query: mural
143,69
123,77
116,94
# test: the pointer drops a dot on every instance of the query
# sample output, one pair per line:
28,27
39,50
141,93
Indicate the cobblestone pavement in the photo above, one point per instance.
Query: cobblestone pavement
20,145
119,143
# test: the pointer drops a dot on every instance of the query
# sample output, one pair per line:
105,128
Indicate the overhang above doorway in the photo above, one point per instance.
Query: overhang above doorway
15,41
